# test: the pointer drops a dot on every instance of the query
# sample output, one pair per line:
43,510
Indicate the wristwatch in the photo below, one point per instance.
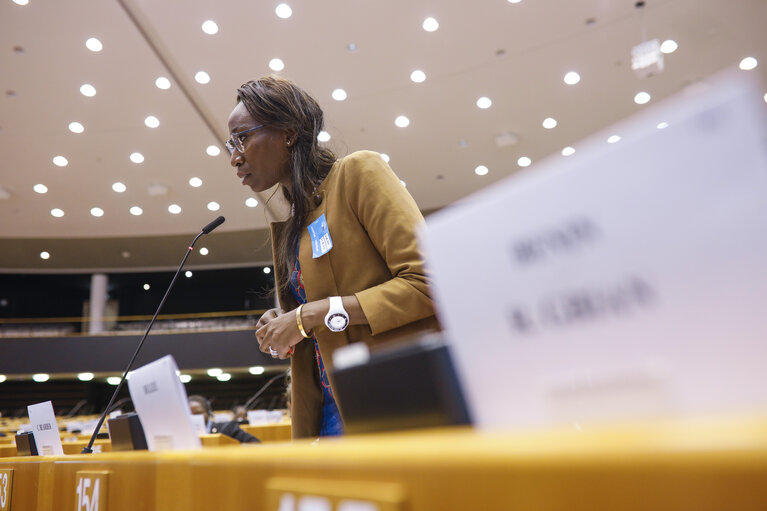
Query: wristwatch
336,319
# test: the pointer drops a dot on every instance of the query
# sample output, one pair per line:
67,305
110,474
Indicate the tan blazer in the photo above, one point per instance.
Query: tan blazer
372,221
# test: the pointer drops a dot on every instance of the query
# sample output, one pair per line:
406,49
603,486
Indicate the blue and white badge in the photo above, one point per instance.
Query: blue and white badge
321,242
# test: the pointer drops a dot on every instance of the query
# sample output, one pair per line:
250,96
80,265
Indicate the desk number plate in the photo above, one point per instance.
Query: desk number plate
298,494
6,488
91,490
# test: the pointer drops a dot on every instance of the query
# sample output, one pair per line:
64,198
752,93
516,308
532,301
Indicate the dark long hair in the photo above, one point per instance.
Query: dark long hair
279,103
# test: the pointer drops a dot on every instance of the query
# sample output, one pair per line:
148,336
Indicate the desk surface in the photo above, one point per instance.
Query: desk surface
679,465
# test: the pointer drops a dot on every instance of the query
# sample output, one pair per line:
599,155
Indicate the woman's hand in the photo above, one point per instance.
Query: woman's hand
278,331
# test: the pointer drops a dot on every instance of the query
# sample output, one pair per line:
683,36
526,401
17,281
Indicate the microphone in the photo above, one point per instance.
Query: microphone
205,230
250,402
215,223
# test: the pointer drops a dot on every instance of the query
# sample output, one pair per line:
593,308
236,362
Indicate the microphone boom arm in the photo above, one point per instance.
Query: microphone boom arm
89,448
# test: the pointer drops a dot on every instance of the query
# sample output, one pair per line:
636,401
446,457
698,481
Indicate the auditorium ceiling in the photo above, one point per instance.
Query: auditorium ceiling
491,87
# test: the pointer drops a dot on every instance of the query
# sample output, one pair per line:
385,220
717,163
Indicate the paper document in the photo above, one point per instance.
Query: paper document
161,403
627,280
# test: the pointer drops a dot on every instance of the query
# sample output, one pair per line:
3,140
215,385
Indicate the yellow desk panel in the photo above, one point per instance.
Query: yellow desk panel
270,432
7,450
681,465
99,445
26,482
217,440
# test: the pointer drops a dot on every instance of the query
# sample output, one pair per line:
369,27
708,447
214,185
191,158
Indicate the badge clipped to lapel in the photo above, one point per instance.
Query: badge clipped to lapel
321,242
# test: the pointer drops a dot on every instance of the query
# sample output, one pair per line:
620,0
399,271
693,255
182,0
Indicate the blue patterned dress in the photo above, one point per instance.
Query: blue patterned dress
332,424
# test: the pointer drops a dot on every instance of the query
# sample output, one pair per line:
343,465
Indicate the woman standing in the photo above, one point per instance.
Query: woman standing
347,265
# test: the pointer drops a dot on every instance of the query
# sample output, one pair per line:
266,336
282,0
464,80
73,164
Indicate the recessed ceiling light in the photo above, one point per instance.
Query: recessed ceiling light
613,139
188,274
162,83
668,46
283,11
203,251
76,127
748,64
765,97
97,212
642,97
571,78
214,206
481,170
137,157
21,2
175,209
339,94
87,89
118,187
40,188
196,182
567,151
484,102
152,121
40,377
2,376
662,125
402,121
60,161
418,76
524,161
267,270
256,370
251,202
276,65
214,371
147,287
385,157
85,376
209,27
113,380
549,123
185,378
514,1
58,213
213,150
403,183
136,211
224,377
323,136
45,255
430,24
94,44
202,77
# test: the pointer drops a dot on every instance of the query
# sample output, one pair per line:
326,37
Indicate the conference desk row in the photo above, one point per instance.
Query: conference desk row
715,464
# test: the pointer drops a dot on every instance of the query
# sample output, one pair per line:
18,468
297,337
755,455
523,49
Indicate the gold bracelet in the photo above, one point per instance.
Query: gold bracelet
301,324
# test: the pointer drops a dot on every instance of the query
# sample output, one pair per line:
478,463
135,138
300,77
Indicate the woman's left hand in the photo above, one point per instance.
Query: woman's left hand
280,335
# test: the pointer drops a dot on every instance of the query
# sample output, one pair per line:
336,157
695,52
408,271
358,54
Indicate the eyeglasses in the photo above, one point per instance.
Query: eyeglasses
236,139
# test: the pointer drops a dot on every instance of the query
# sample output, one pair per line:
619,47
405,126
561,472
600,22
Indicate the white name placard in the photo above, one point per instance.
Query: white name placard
161,403
198,424
45,429
627,280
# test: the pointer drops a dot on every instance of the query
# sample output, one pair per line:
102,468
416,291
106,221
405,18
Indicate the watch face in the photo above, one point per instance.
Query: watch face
337,322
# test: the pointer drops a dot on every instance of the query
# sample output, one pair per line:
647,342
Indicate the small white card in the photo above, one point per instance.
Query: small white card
257,417
45,429
198,424
223,417
274,416
161,403
628,280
